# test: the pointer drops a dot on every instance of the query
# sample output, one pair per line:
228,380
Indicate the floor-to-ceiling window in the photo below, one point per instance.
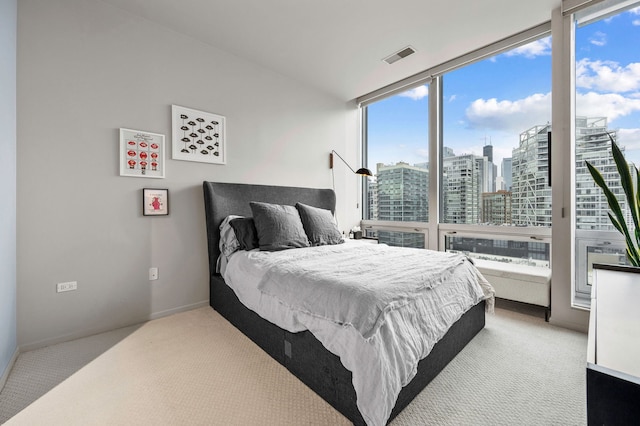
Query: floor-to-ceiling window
607,106
492,167
495,156
397,130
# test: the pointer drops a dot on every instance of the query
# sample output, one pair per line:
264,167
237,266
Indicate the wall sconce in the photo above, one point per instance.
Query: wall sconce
363,171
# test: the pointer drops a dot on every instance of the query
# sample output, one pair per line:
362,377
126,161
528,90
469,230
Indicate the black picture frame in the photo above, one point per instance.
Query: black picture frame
155,202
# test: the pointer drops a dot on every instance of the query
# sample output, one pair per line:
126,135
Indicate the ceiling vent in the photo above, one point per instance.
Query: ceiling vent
403,53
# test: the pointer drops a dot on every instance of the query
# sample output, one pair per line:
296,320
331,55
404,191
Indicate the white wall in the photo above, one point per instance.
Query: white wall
85,69
8,344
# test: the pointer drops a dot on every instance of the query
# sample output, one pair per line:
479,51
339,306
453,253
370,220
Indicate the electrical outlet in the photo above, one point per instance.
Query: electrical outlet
153,274
68,286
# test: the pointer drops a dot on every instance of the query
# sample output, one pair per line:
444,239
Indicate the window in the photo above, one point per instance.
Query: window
397,154
607,102
495,139
527,252
494,164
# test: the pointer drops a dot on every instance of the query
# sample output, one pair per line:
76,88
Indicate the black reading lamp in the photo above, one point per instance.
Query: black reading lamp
363,171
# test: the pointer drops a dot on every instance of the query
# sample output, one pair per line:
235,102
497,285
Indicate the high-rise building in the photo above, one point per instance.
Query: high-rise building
496,208
462,181
490,170
372,202
531,193
403,196
593,145
487,151
506,174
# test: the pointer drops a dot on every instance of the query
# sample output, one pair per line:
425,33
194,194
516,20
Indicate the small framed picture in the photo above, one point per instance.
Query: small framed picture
155,202
141,154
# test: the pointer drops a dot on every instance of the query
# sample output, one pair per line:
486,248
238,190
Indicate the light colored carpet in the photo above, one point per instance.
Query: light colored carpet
195,368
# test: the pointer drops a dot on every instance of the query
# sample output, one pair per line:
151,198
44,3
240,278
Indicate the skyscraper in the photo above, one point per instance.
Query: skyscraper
496,207
462,181
531,193
506,173
403,196
593,145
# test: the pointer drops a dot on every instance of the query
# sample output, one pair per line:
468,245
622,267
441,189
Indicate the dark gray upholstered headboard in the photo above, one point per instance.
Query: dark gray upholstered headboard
223,199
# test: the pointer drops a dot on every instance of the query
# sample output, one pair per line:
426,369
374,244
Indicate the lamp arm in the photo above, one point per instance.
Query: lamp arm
347,164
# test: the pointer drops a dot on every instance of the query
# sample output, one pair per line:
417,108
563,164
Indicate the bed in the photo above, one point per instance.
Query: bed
300,351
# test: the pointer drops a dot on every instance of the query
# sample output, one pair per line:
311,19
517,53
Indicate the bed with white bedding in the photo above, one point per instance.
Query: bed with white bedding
365,326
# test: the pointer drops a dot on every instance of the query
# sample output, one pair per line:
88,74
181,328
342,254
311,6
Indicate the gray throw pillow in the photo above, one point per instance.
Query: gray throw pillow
246,233
319,225
279,227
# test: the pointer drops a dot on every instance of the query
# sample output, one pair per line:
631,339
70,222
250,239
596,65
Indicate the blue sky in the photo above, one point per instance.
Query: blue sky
500,97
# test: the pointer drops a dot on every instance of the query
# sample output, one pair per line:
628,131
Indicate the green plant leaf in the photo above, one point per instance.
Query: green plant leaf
625,180
617,218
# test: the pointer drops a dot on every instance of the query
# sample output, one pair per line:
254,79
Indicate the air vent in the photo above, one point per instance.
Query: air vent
403,53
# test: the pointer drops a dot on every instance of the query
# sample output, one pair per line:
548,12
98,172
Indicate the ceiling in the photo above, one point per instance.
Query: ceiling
337,46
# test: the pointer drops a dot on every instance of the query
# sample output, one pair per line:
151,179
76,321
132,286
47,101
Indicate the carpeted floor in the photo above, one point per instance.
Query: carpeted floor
195,368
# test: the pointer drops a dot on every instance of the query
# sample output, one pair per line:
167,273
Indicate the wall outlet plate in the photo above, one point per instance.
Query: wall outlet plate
68,286
153,274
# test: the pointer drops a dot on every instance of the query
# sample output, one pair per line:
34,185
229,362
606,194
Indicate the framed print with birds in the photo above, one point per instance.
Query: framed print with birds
198,136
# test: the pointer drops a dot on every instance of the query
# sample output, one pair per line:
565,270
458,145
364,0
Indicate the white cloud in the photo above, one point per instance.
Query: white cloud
417,93
610,105
453,98
635,22
598,39
536,48
509,116
521,114
629,138
607,76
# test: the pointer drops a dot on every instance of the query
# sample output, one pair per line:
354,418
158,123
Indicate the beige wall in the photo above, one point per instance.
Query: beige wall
7,185
85,69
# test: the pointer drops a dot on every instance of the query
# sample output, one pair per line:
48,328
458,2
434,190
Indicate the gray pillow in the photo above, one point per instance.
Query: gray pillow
319,225
279,227
246,233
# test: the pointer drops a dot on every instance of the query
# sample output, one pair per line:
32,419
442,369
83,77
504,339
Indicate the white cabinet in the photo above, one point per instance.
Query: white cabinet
613,348
614,324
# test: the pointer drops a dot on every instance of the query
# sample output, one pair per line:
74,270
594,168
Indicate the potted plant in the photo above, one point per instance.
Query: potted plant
633,201
616,289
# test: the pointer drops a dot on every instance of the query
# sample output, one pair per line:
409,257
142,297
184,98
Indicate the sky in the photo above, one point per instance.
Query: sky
494,100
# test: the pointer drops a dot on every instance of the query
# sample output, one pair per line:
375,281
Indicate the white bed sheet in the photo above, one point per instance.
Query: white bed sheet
381,365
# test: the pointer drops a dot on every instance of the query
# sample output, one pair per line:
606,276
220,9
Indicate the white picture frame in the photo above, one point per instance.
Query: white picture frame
142,154
198,136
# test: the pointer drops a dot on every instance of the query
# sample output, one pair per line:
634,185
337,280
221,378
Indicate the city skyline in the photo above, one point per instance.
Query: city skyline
484,104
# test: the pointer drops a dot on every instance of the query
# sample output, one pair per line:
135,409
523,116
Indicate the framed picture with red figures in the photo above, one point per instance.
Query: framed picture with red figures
141,154
155,202
198,136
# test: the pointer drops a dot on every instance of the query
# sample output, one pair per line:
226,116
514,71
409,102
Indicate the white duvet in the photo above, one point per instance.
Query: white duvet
380,331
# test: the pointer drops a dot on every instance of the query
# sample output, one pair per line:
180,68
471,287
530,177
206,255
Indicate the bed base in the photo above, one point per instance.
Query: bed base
303,355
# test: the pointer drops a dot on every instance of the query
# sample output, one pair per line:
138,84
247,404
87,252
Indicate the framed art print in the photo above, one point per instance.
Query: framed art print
155,202
141,154
198,136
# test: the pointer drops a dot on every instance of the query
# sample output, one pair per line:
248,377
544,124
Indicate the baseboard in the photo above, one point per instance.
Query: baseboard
7,371
569,325
90,332
172,311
